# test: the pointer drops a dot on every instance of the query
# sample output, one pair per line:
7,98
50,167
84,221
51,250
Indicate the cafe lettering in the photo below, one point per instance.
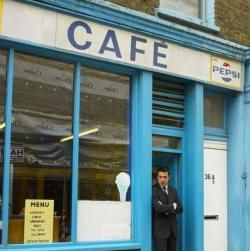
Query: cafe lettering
110,42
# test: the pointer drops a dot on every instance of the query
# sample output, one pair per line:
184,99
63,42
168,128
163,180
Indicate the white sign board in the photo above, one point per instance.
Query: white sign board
103,220
91,39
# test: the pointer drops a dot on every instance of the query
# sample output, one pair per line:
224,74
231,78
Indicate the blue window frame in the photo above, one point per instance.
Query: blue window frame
141,149
7,145
215,115
3,57
173,140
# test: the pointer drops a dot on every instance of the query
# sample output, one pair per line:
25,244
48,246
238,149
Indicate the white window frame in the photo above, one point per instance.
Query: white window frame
207,19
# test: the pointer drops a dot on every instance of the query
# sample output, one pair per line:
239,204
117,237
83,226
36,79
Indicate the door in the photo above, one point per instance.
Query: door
215,196
171,161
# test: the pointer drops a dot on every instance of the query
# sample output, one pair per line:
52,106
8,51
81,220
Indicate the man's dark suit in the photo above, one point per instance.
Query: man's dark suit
164,217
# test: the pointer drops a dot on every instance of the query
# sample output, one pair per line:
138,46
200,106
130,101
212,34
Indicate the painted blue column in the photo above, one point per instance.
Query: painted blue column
193,171
246,175
7,145
75,156
142,158
235,170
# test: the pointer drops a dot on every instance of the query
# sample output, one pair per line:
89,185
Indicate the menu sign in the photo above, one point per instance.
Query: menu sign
38,223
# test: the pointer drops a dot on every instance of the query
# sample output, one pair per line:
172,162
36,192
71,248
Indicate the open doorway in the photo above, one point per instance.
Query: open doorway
161,159
169,160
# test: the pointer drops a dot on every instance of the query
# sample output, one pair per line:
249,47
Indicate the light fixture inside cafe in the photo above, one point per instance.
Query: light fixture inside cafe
80,134
2,125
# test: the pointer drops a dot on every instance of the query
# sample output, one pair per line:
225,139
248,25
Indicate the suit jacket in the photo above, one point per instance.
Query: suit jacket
164,215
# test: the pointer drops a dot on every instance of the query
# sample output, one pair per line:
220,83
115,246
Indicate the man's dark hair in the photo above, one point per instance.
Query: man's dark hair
162,169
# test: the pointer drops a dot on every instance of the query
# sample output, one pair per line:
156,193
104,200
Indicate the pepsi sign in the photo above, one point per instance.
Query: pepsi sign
225,71
110,44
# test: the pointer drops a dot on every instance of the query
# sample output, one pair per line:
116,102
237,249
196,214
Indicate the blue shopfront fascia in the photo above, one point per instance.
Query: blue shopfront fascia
140,23
141,127
141,160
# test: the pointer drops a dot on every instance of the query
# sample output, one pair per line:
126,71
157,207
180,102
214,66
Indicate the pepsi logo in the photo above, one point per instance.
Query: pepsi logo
226,72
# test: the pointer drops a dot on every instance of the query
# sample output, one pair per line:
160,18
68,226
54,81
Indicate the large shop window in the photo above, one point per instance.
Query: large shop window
2,126
40,182
42,148
104,202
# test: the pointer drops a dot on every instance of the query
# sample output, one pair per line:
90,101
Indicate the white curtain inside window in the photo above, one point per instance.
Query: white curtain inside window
187,7
191,7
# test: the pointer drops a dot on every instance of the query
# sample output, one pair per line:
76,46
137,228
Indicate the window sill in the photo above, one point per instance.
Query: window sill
173,15
116,245
215,132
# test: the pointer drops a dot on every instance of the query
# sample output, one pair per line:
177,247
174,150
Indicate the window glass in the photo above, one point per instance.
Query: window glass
104,167
191,7
40,163
166,142
187,7
173,4
2,126
214,111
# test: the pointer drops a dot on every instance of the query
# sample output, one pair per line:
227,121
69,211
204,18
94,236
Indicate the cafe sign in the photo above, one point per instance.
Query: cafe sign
94,40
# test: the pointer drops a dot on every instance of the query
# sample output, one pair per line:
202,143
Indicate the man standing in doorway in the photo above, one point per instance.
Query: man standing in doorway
166,205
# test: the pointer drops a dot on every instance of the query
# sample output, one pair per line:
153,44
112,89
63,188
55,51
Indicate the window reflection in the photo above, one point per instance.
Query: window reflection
166,142
2,126
214,111
40,163
104,168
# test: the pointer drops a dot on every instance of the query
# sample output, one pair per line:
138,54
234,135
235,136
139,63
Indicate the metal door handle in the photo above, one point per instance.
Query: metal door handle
211,217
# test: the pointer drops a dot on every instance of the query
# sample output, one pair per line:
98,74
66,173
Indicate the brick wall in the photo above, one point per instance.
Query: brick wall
232,16
146,6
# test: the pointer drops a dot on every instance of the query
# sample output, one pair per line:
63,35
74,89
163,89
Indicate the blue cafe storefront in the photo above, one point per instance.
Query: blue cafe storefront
92,98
